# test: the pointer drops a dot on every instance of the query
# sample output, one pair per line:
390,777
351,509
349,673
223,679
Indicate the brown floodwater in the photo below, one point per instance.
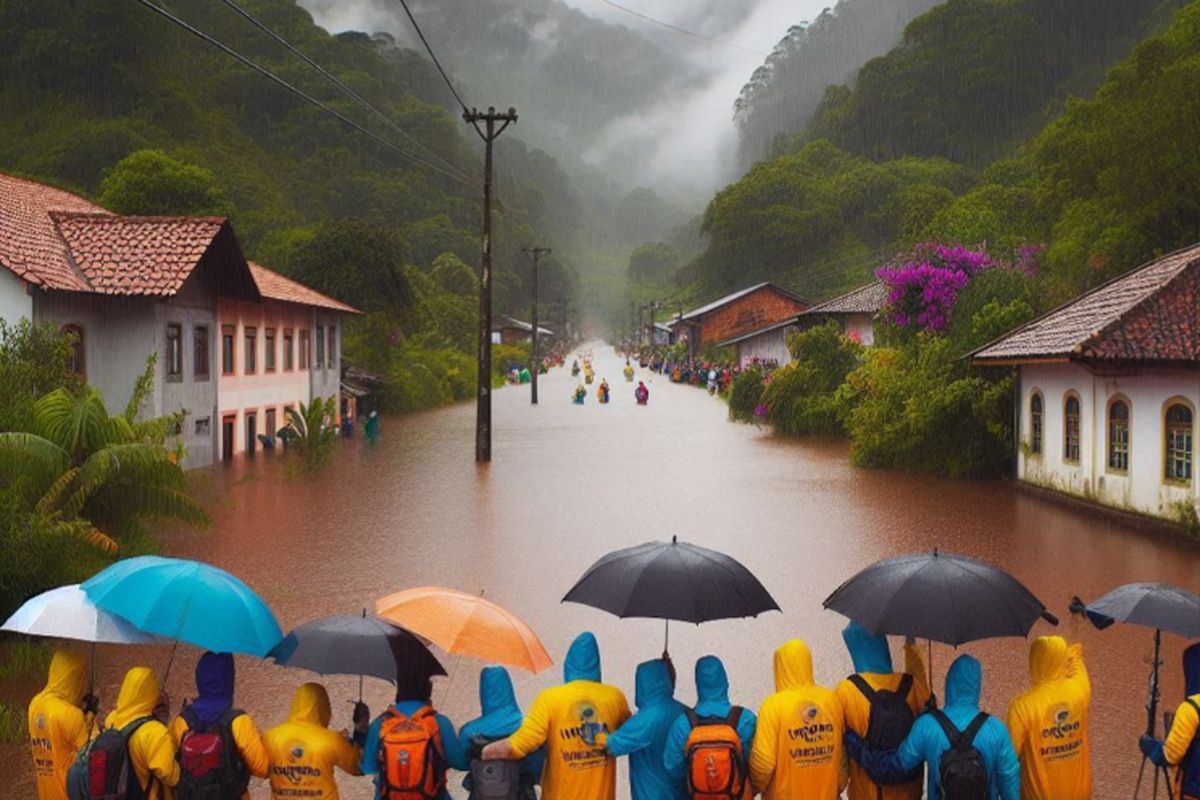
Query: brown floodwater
571,483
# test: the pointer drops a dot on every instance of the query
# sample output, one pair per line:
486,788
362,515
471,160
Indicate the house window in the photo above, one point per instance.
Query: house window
251,363
320,361
1179,443
289,351
251,432
78,362
227,334
269,430
269,352
1118,436
1036,423
200,352
304,348
1071,429
332,360
174,359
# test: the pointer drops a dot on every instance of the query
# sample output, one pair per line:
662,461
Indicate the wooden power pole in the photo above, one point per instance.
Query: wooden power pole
535,254
489,125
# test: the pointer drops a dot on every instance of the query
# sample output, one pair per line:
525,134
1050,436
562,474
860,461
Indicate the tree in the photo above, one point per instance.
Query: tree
356,262
652,261
34,359
151,182
311,433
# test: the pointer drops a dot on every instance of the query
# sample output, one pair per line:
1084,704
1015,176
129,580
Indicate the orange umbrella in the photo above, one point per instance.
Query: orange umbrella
463,623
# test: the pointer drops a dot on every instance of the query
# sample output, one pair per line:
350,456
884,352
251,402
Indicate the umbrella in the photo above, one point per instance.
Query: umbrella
466,624
188,601
66,613
672,581
938,596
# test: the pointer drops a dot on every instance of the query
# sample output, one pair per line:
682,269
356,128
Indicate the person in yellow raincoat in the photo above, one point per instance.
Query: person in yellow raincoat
59,721
215,676
1049,723
1178,751
303,751
798,750
151,747
568,719
873,664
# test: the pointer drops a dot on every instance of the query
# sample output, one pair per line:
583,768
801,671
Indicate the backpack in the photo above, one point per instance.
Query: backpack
890,718
716,765
210,765
962,775
496,780
412,765
103,770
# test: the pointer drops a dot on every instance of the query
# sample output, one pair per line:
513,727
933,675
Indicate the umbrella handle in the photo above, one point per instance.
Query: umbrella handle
170,661
666,637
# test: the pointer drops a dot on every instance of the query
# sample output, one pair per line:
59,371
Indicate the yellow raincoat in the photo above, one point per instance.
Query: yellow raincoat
151,748
797,750
1049,723
303,751
57,726
245,736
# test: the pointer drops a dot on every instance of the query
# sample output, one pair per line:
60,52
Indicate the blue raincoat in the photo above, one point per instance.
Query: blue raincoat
214,681
712,690
583,659
869,653
644,736
500,719
927,741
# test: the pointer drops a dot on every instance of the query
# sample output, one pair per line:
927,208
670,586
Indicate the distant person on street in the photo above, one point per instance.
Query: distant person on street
580,396
567,720
1049,723
714,726
984,763
371,429
303,752
60,717
641,394
603,391
1181,750
500,718
798,750
643,737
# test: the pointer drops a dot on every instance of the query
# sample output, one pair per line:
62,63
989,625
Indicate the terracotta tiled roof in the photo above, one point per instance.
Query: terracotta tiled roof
274,286
30,246
1151,314
729,298
869,299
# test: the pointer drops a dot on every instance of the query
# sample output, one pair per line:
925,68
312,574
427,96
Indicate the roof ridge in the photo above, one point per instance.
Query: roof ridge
68,254
111,218
845,295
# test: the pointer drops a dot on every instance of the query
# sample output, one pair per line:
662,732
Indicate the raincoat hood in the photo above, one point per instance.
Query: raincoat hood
653,684
67,676
964,682
214,680
583,659
712,684
138,697
311,705
1047,659
793,666
1191,669
496,690
869,653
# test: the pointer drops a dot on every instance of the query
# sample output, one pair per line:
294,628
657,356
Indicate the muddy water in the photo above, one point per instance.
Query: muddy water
570,483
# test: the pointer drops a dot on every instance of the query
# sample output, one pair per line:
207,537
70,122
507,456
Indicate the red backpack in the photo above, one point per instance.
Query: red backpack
210,765
412,762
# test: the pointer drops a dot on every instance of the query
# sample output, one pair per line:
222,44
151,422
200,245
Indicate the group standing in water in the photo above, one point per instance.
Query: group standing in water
604,391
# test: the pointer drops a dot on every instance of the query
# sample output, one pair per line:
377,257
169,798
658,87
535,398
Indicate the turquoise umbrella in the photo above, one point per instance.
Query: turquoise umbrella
188,601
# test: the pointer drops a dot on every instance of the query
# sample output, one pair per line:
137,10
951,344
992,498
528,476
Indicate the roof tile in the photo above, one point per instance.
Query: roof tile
274,286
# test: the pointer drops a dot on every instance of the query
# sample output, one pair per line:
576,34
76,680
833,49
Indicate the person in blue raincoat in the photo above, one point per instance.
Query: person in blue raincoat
500,718
644,736
712,690
1179,750
927,741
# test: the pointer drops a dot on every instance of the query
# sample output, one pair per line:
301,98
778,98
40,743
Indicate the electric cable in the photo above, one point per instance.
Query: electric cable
433,56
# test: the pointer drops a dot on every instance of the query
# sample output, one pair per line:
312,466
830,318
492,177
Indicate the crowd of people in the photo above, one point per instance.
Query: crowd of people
877,734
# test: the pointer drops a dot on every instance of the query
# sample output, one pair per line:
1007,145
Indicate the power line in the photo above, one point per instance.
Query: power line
299,92
338,82
677,29
433,56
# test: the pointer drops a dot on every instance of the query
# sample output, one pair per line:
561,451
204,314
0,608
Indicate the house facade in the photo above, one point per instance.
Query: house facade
509,330
736,315
854,311
1109,387
765,346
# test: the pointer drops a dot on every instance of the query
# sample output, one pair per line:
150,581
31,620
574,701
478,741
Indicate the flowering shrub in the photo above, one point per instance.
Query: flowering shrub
924,284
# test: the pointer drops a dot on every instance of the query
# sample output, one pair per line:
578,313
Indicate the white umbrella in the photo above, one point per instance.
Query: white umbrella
67,613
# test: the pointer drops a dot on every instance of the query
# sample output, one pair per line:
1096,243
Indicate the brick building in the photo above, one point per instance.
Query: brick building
737,314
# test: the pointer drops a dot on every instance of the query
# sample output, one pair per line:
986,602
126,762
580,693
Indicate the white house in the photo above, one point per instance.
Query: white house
1109,386
766,345
854,311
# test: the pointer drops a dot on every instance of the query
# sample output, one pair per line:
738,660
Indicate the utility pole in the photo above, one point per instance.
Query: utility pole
535,253
489,125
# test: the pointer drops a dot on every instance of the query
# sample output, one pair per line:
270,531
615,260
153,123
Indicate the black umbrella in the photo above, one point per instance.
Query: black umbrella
672,581
350,644
938,596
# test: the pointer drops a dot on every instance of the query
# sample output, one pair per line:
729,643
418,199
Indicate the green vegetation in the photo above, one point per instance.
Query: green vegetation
802,397
311,434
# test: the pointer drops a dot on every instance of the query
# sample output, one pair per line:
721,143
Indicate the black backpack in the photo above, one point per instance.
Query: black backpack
890,719
962,775
496,779
103,769
210,765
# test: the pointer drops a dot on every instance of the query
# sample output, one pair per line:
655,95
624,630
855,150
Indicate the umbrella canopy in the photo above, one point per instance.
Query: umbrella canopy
188,601
467,624
67,613
937,596
672,581
1151,605
349,644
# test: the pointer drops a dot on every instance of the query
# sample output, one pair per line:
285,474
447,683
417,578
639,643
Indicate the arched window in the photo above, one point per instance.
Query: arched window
1179,443
78,362
1118,435
1071,429
1036,423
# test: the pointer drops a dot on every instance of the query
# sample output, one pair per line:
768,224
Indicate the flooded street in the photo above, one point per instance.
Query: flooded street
570,483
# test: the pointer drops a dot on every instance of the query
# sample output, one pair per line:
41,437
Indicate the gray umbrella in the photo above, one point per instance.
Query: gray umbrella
1152,605
350,644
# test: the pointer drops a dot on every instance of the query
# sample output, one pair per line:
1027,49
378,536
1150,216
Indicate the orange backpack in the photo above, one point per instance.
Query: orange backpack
716,765
412,763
